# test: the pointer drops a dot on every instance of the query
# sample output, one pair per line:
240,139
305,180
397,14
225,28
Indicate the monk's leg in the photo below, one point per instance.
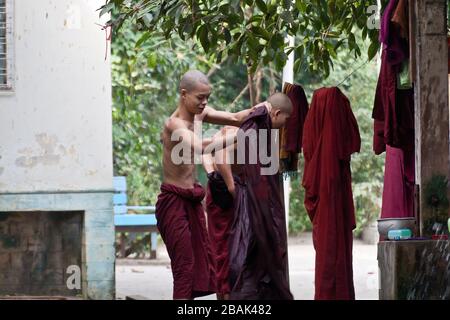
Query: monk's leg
177,237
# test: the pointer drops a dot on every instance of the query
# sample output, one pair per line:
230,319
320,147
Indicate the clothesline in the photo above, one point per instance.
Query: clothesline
346,77
350,74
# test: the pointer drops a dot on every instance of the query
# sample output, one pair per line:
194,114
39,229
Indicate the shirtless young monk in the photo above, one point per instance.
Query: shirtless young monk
179,212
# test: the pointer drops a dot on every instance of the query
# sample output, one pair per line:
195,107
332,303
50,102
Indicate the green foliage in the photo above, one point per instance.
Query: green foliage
298,217
254,31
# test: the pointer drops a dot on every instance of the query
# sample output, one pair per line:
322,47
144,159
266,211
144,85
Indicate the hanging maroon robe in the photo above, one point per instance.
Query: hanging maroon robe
294,125
393,114
181,223
220,218
393,110
258,239
292,134
330,136
398,189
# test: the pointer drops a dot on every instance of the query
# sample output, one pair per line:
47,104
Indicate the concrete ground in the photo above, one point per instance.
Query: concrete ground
153,279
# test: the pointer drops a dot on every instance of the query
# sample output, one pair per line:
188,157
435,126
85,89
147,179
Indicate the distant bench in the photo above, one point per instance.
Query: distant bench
125,221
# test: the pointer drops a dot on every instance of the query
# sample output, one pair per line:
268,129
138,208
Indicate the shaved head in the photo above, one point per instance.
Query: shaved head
191,78
280,101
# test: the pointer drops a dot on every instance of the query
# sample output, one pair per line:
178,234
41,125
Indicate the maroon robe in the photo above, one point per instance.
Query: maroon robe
398,189
393,110
330,136
393,115
258,239
292,134
181,223
294,125
220,219
394,44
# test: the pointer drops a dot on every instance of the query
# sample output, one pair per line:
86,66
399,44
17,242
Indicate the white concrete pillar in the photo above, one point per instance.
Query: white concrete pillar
288,76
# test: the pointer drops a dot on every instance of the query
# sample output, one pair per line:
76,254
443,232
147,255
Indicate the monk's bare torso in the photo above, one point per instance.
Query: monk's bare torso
181,175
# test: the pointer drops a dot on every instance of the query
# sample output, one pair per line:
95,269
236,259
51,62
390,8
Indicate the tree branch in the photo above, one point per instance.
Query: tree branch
215,67
238,97
272,81
258,85
250,87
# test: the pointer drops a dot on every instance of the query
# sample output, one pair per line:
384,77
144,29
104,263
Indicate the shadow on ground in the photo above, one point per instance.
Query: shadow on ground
153,279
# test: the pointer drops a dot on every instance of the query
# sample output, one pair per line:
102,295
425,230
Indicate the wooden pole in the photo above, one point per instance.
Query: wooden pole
288,76
431,107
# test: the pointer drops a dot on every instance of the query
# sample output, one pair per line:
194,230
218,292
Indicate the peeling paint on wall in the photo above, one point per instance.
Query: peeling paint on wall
89,172
79,155
47,155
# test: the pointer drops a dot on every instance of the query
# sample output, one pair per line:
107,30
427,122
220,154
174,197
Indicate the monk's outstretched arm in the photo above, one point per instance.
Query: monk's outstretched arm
218,143
229,118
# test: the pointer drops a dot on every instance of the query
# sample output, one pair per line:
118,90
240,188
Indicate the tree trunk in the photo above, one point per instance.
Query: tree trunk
251,87
258,85
272,82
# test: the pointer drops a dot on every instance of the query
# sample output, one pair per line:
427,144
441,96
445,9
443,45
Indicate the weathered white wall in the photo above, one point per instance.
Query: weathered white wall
55,128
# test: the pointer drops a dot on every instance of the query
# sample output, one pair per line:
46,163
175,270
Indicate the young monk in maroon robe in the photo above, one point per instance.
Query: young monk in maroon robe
330,136
223,188
179,212
258,238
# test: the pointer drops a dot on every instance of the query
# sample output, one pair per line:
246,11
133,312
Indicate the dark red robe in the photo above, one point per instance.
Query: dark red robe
393,110
398,189
258,239
393,115
330,136
294,125
291,134
220,218
182,225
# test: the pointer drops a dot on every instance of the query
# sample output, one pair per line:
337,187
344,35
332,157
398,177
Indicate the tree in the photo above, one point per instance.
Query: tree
254,31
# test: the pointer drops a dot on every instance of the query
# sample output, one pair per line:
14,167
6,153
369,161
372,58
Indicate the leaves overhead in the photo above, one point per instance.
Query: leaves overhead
254,31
